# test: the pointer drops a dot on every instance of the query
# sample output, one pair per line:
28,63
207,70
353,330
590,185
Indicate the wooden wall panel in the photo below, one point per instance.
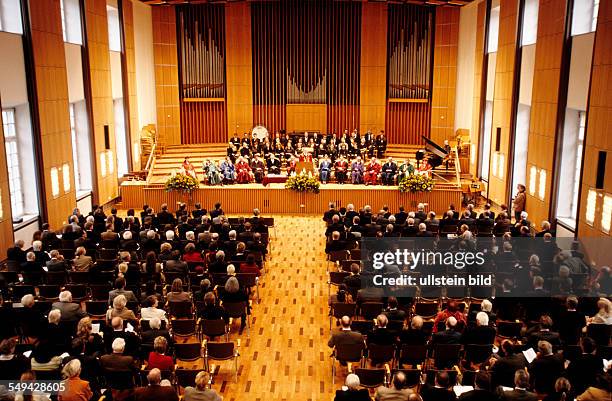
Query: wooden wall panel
52,93
238,68
203,122
6,224
502,101
546,80
166,74
373,93
407,121
445,74
307,117
280,200
598,137
479,59
101,93
130,58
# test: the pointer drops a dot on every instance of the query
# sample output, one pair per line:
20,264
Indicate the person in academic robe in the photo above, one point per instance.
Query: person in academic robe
228,171
343,148
211,170
316,139
273,164
306,156
372,170
325,170
243,172
289,150
188,168
258,168
291,165
389,169
235,140
341,168
381,144
245,150
232,152
405,169
357,171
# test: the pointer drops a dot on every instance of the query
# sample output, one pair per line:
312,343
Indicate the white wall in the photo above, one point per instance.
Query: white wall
13,86
580,71
465,66
145,72
74,72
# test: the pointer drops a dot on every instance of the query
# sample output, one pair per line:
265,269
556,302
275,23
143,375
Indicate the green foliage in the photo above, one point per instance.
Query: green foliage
182,183
416,183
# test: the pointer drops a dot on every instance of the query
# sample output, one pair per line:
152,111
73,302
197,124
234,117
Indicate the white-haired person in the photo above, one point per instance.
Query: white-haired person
81,261
117,360
155,390
41,256
482,333
351,390
120,309
200,392
71,311
231,293
604,314
75,388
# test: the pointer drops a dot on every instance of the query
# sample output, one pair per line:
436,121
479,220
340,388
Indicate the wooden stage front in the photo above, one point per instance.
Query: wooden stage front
275,199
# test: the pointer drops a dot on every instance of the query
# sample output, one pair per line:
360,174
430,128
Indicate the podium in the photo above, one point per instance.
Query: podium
307,166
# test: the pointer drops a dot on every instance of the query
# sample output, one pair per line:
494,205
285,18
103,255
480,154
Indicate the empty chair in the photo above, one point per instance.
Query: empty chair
56,278
426,309
49,291
236,310
339,309
96,308
20,290
188,352
478,353
413,376
180,309
509,329
378,353
369,310
362,326
79,277
78,291
373,378
221,351
412,355
346,353
184,327
446,355
185,377
214,328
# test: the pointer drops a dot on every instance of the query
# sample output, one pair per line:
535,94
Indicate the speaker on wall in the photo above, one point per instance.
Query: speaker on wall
497,138
601,169
106,138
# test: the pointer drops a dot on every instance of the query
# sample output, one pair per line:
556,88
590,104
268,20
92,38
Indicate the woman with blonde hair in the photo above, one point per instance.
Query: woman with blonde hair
94,345
75,388
200,392
604,315
120,309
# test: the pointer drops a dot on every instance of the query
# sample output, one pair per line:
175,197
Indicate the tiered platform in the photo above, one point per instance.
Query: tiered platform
274,198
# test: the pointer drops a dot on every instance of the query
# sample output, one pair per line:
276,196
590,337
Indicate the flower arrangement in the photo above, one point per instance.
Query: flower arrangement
416,183
303,183
181,182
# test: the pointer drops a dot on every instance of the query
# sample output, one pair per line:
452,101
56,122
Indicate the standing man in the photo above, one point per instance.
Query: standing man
518,203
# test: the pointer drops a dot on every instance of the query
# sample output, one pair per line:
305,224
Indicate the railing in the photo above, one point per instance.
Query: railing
457,167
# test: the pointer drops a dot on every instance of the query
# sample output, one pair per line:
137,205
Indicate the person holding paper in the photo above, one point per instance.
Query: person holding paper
520,392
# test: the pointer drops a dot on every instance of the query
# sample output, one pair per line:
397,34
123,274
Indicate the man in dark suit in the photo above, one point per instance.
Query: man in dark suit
420,214
345,336
155,392
176,265
448,336
545,369
353,281
120,290
16,253
481,334
131,342
392,312
31,265
380,334
571,321
481,392
504,367
423,231
415,334
327,216
583,369
520,391
71,311
57,263
155,330
467,219
544,333
117,361
164,216
401,216
411,229
440,390
487,209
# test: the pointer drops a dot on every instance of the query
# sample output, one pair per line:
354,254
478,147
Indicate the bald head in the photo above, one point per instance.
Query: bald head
154,377
345,321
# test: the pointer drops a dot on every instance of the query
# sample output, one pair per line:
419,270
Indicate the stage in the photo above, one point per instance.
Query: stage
276,199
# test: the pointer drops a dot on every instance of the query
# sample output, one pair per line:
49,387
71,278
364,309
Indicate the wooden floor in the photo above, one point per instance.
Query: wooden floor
286,357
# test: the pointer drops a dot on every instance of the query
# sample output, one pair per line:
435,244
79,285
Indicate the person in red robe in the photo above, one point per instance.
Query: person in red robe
341,168
243,172
372,172
188,168
292,163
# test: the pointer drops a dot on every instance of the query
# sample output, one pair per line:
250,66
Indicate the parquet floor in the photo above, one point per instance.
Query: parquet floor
286,356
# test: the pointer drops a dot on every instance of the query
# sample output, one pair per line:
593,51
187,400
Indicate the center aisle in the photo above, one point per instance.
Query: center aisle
286,357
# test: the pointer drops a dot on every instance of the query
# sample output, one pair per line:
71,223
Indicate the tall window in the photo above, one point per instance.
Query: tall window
584,16
578,156
71,21
10,16
75,152
12,160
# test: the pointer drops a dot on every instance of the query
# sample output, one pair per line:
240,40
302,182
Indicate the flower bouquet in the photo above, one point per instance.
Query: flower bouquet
181,182
303,183
416,183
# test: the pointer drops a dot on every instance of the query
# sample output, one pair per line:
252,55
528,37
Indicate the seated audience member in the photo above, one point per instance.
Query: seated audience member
414,335
448,336
584,368
249,265
600,391
380,334
75,388
45,357
154,391
57,263
211,310
544,333
604,314
93,344
562,391
345,335
117,361
481,391
205,287
545,369
71,311
393,313
150,309
31,266
120,290
55,332
120,309
117,330
440,390
81,261
481,334
336,243
451,310
177,294
158,358
505,364
155,330
176,265
351,391
397,390
200,392
31,320
232,293
521,389
191,254
12,364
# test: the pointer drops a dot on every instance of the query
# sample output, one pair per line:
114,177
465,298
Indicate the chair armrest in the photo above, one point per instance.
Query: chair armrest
350,367
238,343
387,369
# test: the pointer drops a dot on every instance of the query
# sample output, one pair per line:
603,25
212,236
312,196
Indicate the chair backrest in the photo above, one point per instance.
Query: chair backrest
188,351
413,376
247,280
337,278
340,309
58,278
446,355
79,277
600,333
219,350
180,309
426,309
96,308
349,352
78,290
413,354
100,291
184,327
362,326
118,379
49,291
145,325
381,353
452,376
186,377
235,309
337,256
369,310
478,353
214,328
509,329
371,378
